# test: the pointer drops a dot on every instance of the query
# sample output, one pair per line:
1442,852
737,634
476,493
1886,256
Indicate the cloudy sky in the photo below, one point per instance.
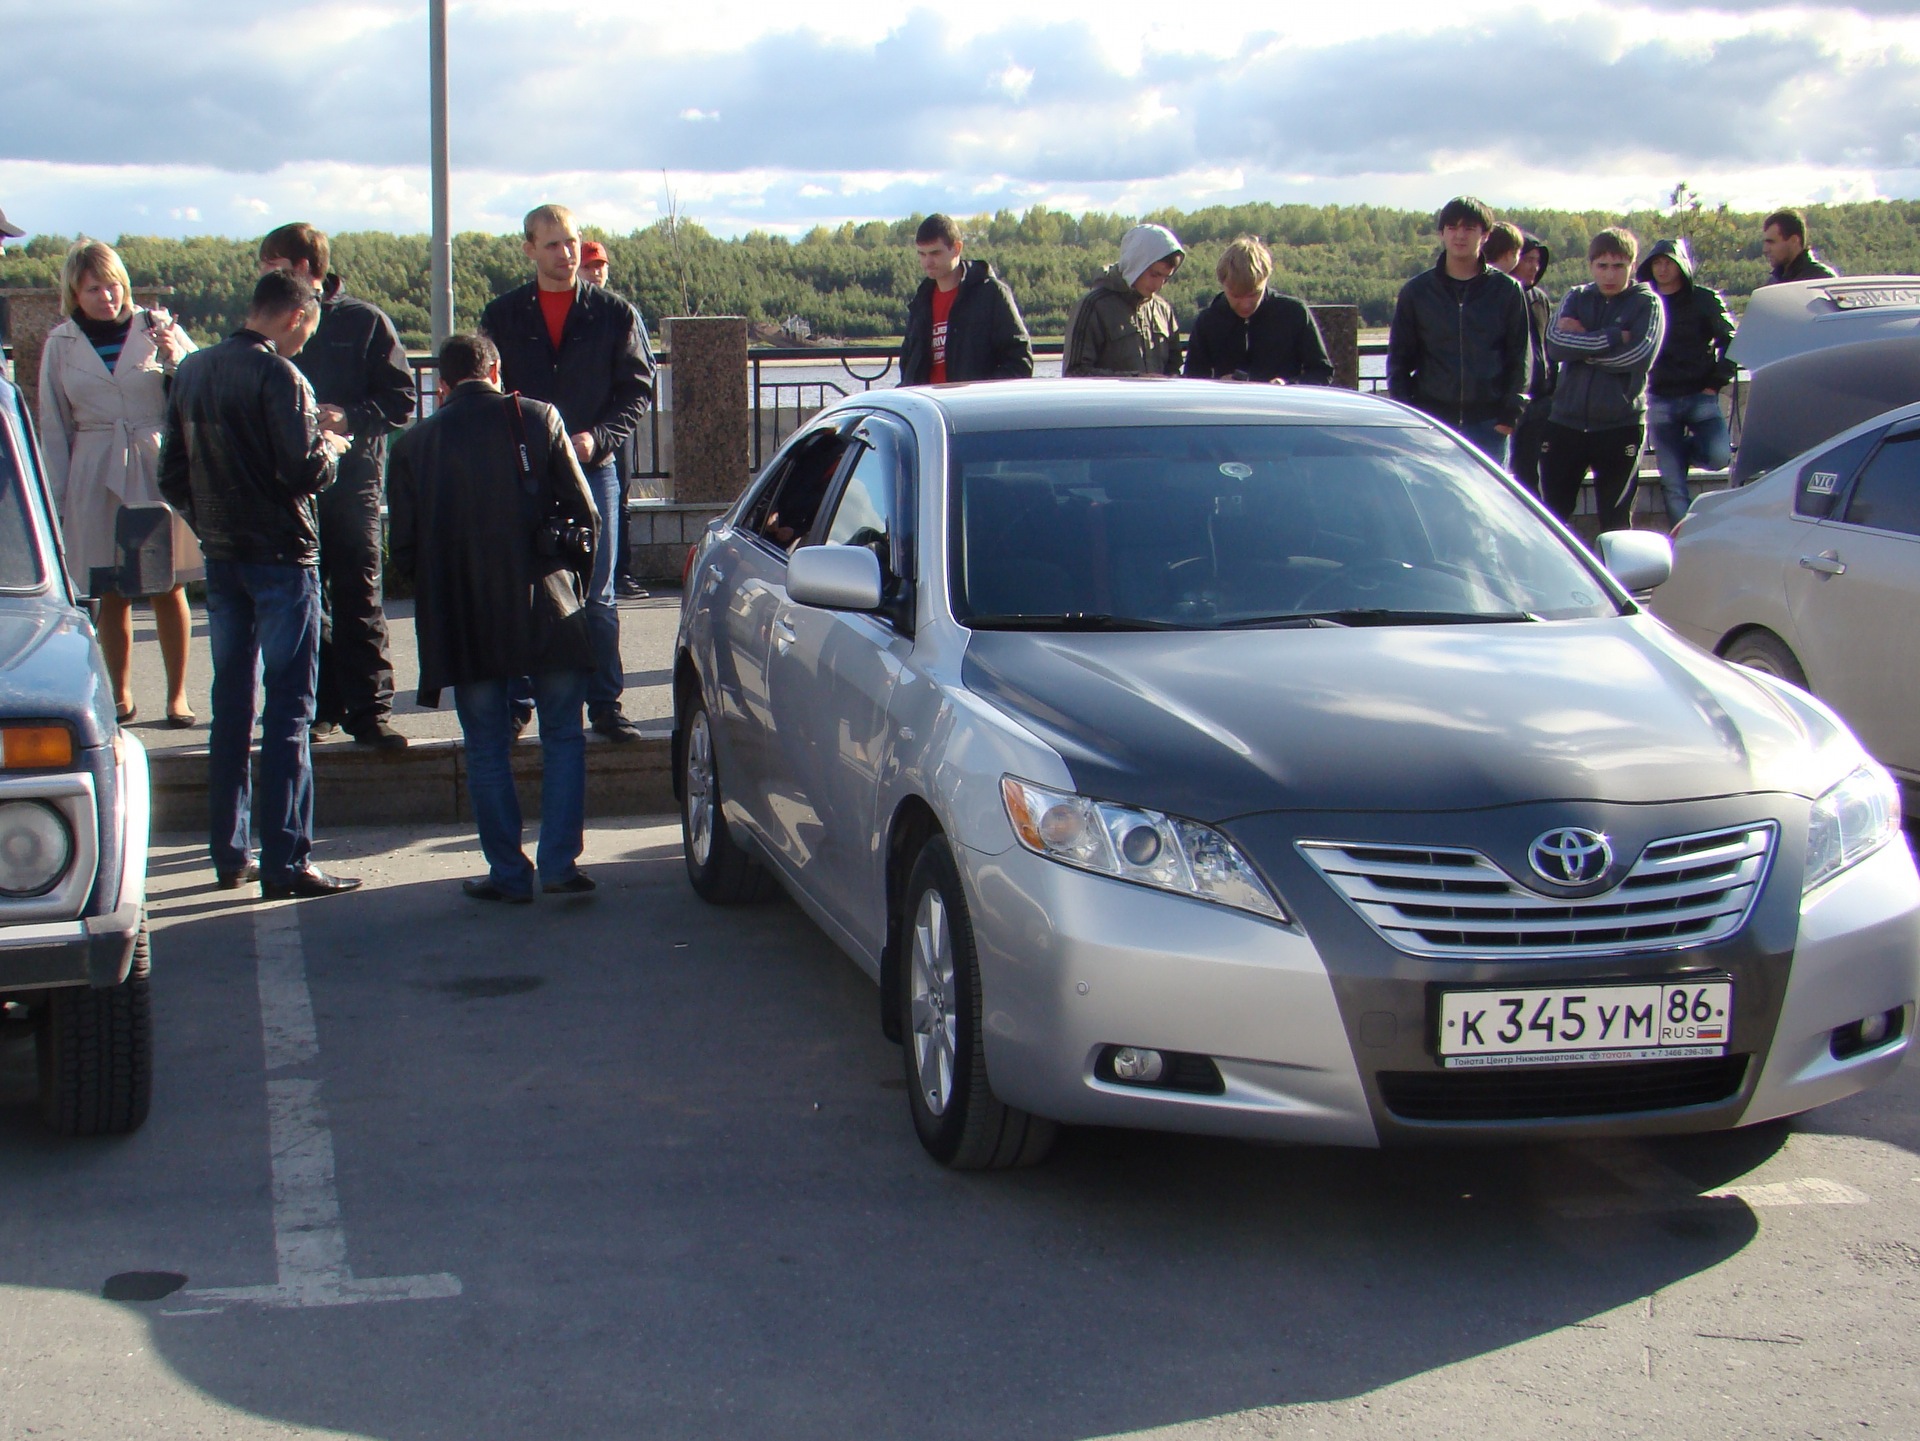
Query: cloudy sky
225,116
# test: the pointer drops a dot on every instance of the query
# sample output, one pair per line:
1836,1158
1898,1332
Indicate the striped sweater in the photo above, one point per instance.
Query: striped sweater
1603,369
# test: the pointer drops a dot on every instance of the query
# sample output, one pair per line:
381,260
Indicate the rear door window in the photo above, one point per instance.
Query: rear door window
1823,479
1887,494
784,513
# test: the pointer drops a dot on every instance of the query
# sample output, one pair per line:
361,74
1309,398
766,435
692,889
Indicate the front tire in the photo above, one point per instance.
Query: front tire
721,870
1764,651
96,1053
959,1120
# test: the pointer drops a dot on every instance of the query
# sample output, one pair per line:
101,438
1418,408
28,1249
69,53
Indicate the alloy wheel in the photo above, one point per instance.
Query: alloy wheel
934,1013
700,797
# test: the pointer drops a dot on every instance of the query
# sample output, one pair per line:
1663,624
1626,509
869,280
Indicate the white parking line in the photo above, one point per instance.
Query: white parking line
309,1241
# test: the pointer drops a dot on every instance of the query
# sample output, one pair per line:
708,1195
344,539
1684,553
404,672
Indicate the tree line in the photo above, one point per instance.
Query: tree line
853,281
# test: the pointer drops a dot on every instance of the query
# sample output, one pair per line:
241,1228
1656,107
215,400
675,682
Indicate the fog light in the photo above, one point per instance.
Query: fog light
1867,1033
1135,1064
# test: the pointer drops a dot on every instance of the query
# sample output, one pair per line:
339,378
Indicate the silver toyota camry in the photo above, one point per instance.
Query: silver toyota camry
1262,762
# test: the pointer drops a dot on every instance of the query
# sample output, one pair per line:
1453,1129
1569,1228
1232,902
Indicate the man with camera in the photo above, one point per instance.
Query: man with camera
490,517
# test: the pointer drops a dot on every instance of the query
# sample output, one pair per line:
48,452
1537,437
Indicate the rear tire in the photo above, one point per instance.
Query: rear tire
959,1120
721,870
1765,652
96,1053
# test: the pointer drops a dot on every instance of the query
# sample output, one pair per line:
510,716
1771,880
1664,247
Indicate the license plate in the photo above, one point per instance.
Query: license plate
1562,1025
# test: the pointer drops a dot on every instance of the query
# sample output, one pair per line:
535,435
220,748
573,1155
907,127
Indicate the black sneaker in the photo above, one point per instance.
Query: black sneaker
380,734
631,589
614,726
577,884
325,730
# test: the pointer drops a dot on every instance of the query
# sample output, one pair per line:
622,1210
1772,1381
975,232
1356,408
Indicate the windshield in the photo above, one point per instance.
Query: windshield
1200,527
19,556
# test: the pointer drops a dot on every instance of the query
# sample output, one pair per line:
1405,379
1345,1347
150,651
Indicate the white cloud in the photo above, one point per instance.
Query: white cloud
864,109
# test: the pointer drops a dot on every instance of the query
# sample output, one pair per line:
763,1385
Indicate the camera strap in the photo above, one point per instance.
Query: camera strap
517,424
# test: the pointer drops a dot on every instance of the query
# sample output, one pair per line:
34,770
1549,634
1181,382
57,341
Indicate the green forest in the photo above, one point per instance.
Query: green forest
853,282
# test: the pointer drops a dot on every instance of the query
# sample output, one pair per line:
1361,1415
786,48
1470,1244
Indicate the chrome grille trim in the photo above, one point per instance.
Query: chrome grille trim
1450,902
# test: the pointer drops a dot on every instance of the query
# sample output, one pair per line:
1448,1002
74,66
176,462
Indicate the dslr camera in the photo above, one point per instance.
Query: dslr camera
564,540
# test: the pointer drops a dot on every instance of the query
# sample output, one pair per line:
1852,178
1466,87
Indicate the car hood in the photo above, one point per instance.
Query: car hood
49,669
1406,718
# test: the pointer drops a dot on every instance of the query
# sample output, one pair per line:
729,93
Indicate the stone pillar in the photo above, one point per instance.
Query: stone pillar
1340,328
33,310
710,409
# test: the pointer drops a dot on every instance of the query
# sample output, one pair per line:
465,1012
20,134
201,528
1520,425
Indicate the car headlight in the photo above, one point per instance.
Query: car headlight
36,847
1851,822
1143,846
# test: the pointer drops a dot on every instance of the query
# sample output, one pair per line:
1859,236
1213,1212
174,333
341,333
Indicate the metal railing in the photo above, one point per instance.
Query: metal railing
640,457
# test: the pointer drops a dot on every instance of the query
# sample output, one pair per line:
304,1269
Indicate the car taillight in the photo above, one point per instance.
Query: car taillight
35,747
687,569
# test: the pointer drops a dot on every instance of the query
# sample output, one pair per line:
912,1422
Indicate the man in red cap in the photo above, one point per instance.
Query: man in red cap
593,262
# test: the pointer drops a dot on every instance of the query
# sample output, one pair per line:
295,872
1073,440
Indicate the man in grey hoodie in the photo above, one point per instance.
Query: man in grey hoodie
1605,336
1124,325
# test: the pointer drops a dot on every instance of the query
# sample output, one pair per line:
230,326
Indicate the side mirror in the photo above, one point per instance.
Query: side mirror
834,577
1638,559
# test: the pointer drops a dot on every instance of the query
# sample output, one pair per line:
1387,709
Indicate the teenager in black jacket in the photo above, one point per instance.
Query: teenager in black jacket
1252,333
962,323
1683,390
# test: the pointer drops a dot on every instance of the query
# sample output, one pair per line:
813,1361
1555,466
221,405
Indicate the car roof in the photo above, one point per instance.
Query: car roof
1147,400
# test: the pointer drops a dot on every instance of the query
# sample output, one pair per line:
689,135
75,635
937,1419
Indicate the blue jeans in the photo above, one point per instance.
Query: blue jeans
609,675
485,709
1688,430
262,618
1482,434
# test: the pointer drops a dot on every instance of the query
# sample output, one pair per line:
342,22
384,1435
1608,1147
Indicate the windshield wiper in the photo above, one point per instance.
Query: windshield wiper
1069,620
1376,616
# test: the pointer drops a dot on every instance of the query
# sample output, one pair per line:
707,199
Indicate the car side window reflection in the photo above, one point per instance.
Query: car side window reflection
785,515
1826,475
864,516
1887,495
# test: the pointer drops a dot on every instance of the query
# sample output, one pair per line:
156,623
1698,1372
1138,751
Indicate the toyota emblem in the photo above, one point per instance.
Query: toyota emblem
1571,856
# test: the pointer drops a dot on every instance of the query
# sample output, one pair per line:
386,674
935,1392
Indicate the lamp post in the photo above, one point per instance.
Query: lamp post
442,304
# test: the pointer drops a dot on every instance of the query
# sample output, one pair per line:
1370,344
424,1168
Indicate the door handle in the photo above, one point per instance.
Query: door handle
1828,562
783,635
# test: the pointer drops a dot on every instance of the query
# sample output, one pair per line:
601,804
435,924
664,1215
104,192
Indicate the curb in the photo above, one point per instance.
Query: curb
426,783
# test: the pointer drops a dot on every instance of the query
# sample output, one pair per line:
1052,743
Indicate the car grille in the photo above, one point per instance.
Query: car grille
1438,901
1560,1092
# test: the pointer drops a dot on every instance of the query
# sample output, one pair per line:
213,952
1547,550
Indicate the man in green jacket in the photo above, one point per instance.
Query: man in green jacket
1124,325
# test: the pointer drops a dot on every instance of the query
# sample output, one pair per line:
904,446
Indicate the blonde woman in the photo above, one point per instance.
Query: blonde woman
103,378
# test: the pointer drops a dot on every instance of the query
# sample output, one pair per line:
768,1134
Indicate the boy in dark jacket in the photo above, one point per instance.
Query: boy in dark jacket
1683,392
1458,348
962,323
1252,333
1605,336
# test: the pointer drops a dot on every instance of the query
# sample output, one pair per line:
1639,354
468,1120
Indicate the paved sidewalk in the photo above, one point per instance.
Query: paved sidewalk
646,645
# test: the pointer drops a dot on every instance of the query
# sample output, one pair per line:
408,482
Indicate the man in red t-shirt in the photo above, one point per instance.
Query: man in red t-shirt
962,323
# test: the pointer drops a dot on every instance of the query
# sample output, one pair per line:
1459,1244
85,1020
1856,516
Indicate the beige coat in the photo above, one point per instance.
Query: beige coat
100,432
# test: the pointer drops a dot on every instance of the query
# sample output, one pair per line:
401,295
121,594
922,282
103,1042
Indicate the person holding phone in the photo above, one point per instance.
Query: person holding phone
103,394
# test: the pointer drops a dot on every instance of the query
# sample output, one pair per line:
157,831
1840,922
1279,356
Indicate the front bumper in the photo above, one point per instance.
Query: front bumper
1072,963
97,951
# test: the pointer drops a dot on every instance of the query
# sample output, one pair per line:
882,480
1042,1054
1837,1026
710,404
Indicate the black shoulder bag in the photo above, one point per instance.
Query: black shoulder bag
562,550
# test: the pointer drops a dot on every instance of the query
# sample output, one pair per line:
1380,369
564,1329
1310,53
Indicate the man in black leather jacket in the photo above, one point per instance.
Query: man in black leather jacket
584,351
242,459
465,521
359,373
1459,347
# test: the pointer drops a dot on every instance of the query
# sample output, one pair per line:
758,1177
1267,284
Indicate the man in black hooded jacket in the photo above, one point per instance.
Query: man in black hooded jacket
1683,390
962,323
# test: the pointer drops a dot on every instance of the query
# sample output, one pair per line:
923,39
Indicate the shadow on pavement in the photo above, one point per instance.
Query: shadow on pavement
667,1153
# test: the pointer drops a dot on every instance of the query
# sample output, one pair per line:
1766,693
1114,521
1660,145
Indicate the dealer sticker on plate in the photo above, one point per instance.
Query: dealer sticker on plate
1568,1024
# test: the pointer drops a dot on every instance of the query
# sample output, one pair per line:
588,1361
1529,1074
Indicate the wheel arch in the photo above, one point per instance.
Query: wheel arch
913,824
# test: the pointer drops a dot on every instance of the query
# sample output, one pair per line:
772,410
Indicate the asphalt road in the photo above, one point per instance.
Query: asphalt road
627,1166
